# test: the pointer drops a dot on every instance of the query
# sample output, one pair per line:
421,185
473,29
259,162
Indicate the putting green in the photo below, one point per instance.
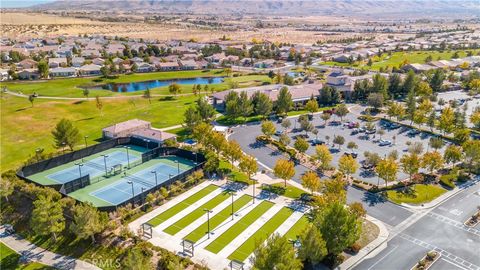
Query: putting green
196,214
218,219
181,206
225,238
261,235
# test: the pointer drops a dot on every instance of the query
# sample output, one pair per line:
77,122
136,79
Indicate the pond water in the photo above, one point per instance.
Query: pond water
141,86
295,74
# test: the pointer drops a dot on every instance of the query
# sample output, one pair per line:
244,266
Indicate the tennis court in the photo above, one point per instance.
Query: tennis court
131,184
95,166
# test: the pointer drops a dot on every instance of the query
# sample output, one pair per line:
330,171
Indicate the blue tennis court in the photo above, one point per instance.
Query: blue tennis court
121,190
93,167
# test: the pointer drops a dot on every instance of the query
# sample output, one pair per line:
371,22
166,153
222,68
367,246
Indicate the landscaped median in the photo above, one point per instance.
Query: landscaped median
415,194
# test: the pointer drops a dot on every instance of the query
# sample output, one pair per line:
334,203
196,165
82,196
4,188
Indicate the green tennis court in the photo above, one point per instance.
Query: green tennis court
196,214
225,238
219,218
181,205
261,235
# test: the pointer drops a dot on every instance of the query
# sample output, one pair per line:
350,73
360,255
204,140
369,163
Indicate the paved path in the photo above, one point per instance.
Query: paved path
38,254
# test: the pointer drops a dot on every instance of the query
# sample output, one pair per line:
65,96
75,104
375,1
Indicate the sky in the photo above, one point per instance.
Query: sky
21,3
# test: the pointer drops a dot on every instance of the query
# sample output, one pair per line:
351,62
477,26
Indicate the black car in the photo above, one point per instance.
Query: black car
317,142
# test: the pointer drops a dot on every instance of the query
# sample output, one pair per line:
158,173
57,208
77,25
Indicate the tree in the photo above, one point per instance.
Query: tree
105,71
232,108
248,165
312,246
380,85
446,120
205,110
233,151
268,128
284,139
139,257
6,188
191,119
352,145
436,143
423,89
86,92
324,156
432,161
340,140
375,100
372,158
301,145
410,164
286,123
65,133
409,82
148,95
411,106
43,68
475,118
325,117
262,105
87,221
284,101
471,152
432,117
436,82
276,253
47,217
284,169
99,104
387,170
452,154
394,84
244,105
339,227
174,89
347,165
341,111
311,181
31,98
416,148
311,106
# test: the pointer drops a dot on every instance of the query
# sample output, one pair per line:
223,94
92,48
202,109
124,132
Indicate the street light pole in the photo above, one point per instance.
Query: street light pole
208,221
178,166
85,137
233,194
128,156
37,151
156,181
143,196
80,168
105,162
253,192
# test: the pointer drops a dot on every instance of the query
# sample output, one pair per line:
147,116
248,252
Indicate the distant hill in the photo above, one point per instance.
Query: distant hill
409,8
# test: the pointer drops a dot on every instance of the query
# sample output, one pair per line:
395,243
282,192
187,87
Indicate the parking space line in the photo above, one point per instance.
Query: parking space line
383,257
452,263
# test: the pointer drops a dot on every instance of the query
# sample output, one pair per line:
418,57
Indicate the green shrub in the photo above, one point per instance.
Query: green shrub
463,177
448,179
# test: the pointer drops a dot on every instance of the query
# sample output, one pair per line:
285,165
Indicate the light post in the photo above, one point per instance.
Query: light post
133,192
253,193
156,181
105,163
146,143
143,196
128,156
208,221
63,147
85,137
178,166
233,194
79,168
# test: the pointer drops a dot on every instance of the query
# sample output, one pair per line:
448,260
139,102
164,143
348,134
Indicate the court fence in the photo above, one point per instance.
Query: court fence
75,184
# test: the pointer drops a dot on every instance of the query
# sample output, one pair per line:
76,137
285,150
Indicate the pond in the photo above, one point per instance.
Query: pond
141,86
295,74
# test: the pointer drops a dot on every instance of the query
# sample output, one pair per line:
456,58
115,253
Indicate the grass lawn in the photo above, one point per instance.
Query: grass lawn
225,238
261,235
297,229
290,191
233,174
219,218
397,58
196,214
415,194
181,206
9,260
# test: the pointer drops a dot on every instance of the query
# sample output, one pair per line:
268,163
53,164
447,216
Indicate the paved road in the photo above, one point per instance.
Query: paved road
440,229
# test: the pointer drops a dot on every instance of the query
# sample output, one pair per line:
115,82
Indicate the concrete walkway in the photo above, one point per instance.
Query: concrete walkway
37,254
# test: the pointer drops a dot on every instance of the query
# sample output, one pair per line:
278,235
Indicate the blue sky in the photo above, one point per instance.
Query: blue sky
21,3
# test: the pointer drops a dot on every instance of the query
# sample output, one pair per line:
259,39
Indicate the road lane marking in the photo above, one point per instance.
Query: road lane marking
383,257
455,264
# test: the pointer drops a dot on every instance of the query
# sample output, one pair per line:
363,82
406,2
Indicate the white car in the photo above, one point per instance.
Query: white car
384,142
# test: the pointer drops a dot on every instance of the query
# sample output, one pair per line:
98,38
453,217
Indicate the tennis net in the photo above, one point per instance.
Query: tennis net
139,180
94,165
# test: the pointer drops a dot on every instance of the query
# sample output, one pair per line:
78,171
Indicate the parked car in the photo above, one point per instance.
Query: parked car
370,131
278,133
384,142
352,154
279,119
317,142
413,132
305,136
355,131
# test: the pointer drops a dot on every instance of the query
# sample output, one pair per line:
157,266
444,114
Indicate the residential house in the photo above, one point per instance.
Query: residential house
417,67
188,64
62,72
168,66
138,129
4,75
98,61
27,64
55,62
78,61
145,67
264,64
29,74
89,70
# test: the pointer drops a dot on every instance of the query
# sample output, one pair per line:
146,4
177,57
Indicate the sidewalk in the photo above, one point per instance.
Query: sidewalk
381,238
37,254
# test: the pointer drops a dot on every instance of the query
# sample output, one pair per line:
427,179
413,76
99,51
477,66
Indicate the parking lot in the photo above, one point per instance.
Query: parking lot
462,98
393,139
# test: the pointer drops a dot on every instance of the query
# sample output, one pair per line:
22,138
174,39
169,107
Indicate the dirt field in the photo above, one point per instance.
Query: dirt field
25,25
